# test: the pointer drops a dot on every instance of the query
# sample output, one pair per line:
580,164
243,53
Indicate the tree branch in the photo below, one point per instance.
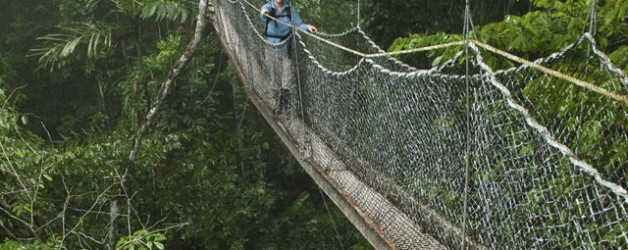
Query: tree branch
165,86
163,92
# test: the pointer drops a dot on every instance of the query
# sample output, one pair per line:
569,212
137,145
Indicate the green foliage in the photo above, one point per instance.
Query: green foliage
208,163
7,73
141,240
133,7
619,57
166,10
432,57
329,16
23,166
60,46
537,33
588,123
386,20
168,48
52,244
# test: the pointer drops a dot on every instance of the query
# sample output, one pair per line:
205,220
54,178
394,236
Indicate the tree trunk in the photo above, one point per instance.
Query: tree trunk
163,92
113,230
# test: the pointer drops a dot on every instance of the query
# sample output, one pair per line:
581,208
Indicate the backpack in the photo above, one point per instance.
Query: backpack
273,13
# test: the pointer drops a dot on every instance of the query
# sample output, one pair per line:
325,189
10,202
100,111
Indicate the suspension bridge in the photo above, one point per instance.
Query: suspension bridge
457,156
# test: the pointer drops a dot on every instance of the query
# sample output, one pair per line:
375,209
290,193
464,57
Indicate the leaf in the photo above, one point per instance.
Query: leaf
297,205
159,245
437,60
24,120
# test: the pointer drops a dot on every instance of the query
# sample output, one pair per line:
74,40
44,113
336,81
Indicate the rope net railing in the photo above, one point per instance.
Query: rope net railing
547,159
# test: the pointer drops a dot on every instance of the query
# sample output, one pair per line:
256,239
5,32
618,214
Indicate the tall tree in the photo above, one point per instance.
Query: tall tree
100,70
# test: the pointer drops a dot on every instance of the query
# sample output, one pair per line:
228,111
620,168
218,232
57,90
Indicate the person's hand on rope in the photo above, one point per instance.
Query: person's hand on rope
311,28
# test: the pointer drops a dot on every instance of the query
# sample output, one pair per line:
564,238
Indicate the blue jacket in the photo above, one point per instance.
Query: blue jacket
278,29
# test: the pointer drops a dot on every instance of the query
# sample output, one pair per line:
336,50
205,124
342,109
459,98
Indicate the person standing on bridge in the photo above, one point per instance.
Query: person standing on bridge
280,58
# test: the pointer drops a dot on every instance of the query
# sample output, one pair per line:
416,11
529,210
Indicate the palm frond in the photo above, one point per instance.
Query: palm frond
165,10
130,6
59,47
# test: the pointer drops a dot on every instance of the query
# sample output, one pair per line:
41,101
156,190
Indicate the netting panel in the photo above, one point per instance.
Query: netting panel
404,133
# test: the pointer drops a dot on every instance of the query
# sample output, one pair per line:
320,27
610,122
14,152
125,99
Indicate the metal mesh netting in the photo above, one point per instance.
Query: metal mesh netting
340,60
547,160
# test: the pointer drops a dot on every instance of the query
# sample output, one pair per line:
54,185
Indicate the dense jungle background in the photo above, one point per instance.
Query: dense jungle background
79,77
